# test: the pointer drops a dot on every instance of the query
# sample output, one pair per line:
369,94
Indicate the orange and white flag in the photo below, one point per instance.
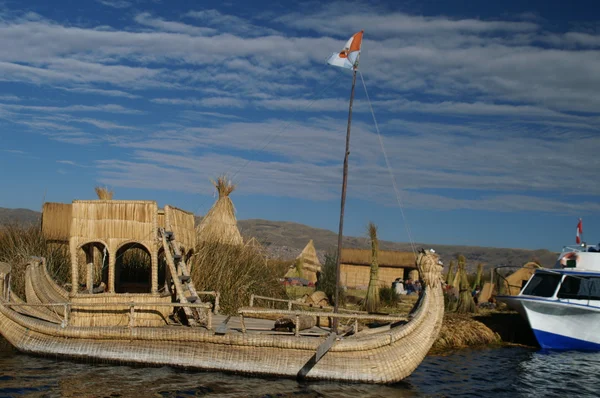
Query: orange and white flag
348,57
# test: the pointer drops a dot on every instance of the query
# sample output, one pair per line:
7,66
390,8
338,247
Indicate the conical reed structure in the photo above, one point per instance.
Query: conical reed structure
465,304
372,300
450,275
219,225
104,193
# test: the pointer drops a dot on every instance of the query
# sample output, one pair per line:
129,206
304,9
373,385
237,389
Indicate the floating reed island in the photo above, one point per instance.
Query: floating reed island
134,294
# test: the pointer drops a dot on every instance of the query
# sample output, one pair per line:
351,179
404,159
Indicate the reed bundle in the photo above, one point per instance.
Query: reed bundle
219,225
104,193
450,275
371,303
459,331
465,304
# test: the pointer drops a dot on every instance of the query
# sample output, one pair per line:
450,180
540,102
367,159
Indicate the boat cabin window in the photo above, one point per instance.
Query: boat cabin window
542,285
581,288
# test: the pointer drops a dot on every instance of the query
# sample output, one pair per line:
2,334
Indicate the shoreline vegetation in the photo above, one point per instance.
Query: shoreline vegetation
245,271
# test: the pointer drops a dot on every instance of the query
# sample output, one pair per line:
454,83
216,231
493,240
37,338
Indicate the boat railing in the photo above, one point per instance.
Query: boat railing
296,314
217,297
206,308
295,303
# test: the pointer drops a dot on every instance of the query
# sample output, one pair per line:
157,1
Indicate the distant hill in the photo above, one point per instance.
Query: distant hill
283,234
21,216
286,240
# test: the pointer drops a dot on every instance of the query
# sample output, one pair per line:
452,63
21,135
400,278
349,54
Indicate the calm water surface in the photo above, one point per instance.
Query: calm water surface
500,372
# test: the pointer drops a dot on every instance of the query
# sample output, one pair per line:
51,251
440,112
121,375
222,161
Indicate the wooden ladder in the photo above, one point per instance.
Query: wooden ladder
181,276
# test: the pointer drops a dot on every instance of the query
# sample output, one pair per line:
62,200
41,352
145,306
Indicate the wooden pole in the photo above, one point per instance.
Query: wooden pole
343,203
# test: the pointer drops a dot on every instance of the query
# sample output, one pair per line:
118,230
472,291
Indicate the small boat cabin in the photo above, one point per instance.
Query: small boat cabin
116,251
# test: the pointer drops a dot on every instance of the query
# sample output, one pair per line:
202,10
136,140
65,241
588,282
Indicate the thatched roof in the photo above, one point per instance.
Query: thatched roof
309,258
219,225
386,258
254,243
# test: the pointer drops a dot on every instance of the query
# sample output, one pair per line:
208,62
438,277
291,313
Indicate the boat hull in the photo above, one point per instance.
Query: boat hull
561,325
383,358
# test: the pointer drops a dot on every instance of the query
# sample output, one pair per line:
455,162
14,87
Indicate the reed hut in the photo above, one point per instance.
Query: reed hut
486,293
255,245
355,267
307,264
98,232
219,225
515,281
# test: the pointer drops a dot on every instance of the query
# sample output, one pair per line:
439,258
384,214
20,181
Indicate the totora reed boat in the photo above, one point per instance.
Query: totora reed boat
159,318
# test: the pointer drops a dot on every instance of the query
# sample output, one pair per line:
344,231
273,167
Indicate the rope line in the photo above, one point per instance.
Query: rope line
390,171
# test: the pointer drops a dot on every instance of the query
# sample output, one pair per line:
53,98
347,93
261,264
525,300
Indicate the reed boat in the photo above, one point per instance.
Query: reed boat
129,331
159,317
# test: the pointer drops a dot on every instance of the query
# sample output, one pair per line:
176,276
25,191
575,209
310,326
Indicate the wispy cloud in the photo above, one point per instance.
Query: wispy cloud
120,4
498,109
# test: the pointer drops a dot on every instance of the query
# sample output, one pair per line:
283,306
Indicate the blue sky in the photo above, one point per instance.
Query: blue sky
489,112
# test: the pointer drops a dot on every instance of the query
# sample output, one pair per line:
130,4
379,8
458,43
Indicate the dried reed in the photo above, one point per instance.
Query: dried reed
236,272
385,258
388,297
327,279
220,225
298,267
459,331
450,275
104,193
371,303
18,243
465,304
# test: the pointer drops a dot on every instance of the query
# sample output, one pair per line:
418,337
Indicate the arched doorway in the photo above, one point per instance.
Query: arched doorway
133,269
93,260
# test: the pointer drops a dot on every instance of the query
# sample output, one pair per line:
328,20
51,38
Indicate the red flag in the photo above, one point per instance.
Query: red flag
579,232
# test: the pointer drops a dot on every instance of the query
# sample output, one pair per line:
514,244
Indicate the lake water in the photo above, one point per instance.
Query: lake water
498,372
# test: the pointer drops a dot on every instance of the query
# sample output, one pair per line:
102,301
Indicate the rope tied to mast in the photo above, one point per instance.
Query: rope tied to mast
390,171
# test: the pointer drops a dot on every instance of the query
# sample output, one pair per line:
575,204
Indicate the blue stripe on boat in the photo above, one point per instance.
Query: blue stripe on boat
552,341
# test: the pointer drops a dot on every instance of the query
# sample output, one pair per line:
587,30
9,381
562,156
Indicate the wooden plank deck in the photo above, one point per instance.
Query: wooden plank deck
255,325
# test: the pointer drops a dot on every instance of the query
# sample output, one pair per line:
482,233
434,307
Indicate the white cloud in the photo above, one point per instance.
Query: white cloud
230,22
115,3
97,91
146,19
500,108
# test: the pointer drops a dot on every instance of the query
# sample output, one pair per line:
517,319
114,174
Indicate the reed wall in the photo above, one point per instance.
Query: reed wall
385,258
357,276
113,223
181,222
56,221
110,314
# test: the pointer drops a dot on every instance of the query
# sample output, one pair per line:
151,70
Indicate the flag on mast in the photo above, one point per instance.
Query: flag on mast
579,232
348,57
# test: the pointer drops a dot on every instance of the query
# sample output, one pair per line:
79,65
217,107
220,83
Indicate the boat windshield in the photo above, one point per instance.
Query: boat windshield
581,288
542,285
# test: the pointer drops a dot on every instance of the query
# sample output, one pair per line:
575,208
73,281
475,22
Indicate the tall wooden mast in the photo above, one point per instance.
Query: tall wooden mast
343,202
